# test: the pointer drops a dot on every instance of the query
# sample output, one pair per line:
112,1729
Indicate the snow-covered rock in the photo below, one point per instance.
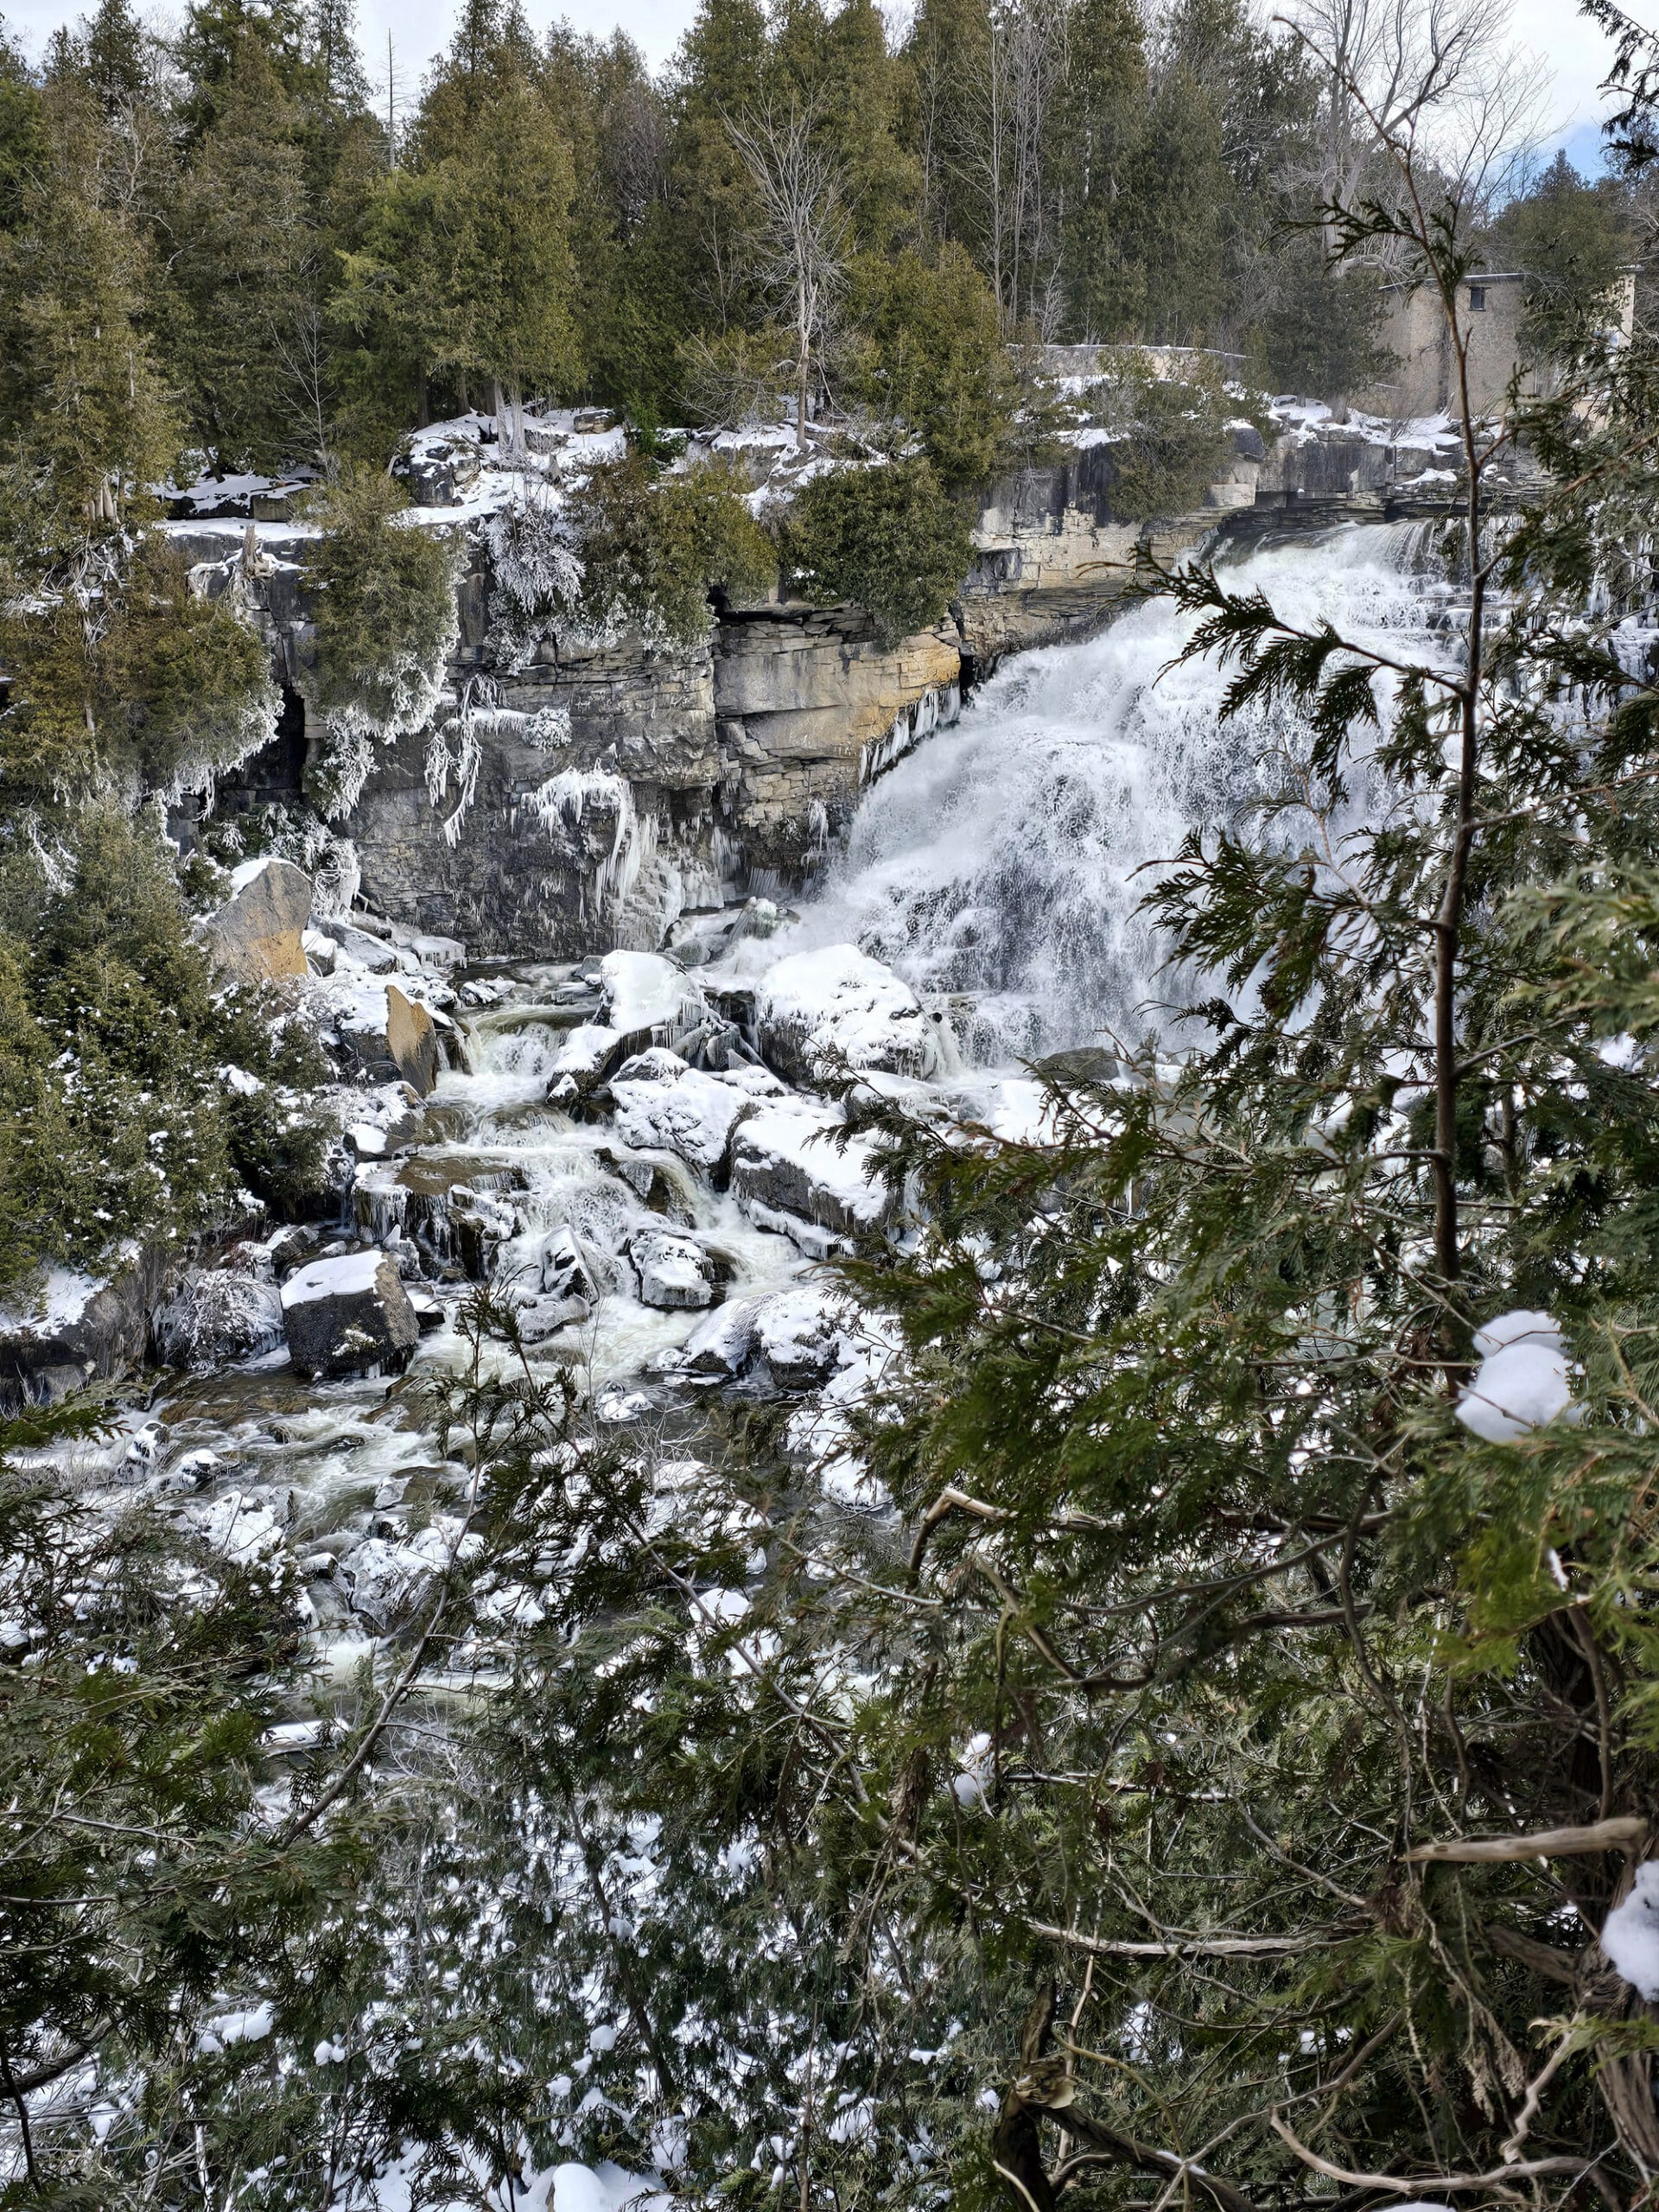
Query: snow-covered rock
663,1105
217,1315
789,1169
563,1290
837,1008
349,1316
240,1529
799,1333
585,1057
1521,1383
385,1581
360,948
724,1343
643,991
673,1271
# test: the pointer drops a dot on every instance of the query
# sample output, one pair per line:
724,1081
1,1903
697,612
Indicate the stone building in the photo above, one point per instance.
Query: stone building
1489,307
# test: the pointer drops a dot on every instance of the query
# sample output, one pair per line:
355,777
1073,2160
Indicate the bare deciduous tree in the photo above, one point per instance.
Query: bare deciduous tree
802,226
1442,78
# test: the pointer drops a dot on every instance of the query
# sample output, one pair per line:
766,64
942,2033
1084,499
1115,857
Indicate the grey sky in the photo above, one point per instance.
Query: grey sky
1574,51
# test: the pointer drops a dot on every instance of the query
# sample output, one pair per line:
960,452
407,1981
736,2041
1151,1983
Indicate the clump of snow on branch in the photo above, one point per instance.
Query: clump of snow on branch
1630,1935
1521,1383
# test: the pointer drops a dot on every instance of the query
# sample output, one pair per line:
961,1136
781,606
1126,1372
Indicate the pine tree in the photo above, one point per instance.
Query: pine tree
506,200
244,276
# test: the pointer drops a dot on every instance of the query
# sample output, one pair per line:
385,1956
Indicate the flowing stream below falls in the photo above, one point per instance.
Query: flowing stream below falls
998,870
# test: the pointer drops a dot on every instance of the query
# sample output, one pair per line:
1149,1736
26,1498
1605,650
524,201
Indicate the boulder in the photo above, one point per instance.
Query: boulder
819,1011
412,1040
349,1316
645,993
723,1344
215,1315
386,1580
439,470
791,1171
662,1105
589,1054
257,934
564,1291
798,1334
78,1330
674,1272
371,952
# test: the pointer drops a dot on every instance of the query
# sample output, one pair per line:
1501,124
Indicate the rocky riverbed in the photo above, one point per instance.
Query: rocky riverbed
635,1152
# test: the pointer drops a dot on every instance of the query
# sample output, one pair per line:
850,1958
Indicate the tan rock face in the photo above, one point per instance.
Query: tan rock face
256,936
412,1040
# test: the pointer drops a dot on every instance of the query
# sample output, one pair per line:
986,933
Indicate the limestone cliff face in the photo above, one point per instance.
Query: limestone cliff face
591,797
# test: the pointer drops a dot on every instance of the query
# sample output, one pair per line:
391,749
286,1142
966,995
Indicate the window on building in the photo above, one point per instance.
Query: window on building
1477,298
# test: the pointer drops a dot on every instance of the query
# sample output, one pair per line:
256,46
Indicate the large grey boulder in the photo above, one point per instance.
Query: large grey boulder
792,1170
80,1330
349,1316
257,935
818,1013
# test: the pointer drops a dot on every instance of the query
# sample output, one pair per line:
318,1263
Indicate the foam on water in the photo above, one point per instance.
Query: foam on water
1008,857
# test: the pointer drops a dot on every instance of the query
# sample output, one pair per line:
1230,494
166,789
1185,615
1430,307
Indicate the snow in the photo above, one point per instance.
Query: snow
674,1271
238,1528
584,1049
61,1300
815,1009
1630,1935
1521,1383
347,1277
786,1154
643,990
800,1332
724,1343
568,2187
663,1105
248,872
251,2025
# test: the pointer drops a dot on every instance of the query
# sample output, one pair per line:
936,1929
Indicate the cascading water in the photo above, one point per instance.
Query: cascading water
1007,858
1000,860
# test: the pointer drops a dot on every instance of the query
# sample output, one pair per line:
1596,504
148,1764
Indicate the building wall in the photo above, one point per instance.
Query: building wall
1490,308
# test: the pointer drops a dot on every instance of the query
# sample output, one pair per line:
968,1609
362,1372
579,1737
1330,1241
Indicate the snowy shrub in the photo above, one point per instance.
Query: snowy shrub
114,1120
385,621
888,539
194,675
536,578
132,681
1174,438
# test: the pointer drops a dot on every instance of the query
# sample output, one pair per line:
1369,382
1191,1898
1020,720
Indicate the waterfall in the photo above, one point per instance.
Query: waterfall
1005,858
